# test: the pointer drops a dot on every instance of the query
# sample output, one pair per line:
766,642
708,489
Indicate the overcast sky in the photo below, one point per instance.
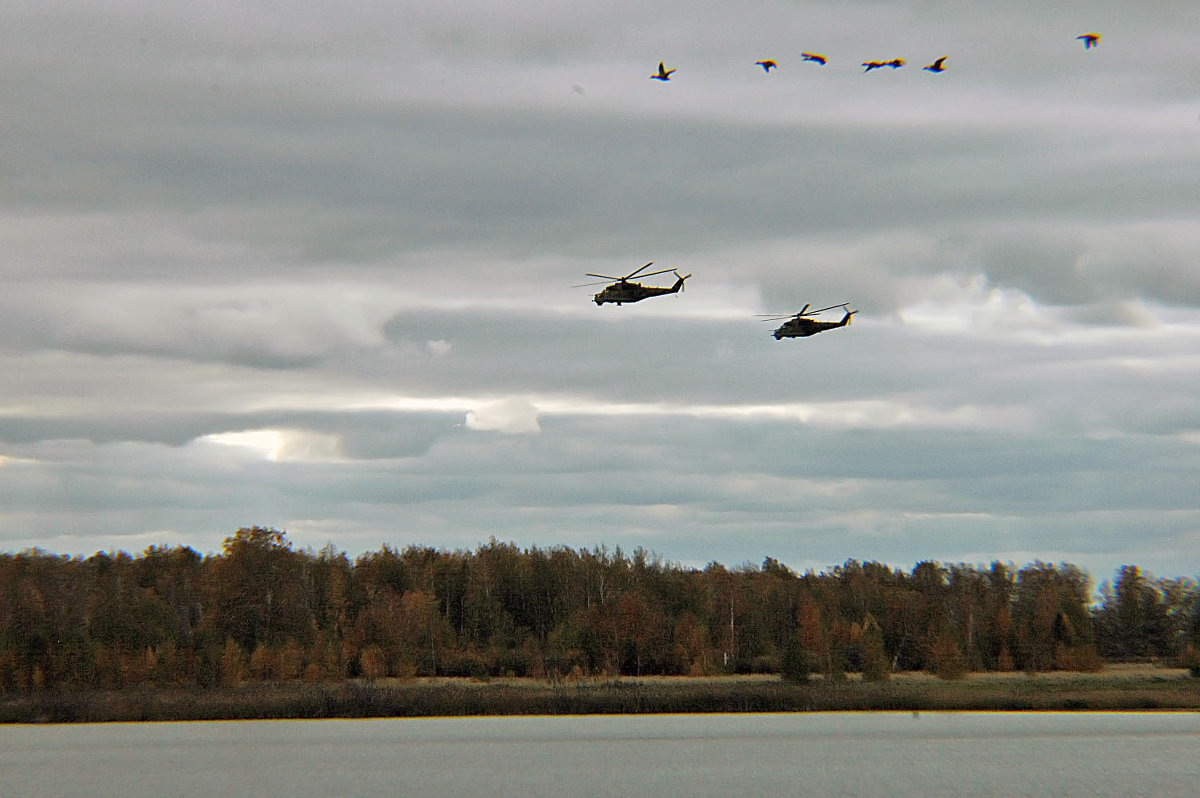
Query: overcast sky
311,265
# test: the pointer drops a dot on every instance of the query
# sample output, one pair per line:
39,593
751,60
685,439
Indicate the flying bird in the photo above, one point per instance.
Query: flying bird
1089,40
663,73
895,63
767,65
817,57
936,66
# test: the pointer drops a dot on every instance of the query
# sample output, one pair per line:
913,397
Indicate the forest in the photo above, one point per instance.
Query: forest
260,610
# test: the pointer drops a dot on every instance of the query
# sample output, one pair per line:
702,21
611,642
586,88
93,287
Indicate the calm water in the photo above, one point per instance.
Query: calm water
885,754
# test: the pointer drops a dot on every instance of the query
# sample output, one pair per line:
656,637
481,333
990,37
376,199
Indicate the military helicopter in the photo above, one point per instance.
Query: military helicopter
802,325
623,291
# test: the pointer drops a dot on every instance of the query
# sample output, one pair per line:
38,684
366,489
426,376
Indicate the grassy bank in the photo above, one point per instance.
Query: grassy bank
1141,688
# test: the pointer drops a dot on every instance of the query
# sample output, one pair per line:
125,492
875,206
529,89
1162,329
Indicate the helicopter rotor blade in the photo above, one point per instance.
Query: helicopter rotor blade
651,274
635,271
586,285
603,276
822,310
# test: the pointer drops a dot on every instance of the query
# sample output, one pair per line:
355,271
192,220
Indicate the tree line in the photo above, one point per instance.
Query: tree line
262,610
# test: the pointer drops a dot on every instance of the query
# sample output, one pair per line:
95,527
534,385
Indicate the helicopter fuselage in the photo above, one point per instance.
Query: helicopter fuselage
802,327
624,291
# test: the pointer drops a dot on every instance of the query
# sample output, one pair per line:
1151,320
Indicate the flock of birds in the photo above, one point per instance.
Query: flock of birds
802,324
1089,40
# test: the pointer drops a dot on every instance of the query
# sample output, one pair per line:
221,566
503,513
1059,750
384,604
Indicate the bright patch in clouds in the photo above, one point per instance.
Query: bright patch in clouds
511,416
282,445
518,415
864,414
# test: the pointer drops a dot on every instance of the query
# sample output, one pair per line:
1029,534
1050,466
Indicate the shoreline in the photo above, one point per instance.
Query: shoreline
1117,688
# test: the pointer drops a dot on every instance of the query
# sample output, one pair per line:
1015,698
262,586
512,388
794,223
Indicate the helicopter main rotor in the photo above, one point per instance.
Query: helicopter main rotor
803,313
631,275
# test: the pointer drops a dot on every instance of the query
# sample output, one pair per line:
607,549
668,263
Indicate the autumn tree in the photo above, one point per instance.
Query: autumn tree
1140,616
1050,617
796,663
813,647
257,591
43,621
873,657
1181,603
946,658
642,642
258,609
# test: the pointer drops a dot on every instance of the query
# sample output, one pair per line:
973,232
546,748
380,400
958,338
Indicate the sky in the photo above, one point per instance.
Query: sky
316,266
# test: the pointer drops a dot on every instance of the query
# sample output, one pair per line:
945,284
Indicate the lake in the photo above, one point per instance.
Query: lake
841,754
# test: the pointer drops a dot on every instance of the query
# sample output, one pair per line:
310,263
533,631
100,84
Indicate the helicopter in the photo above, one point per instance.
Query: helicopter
623,291
802,325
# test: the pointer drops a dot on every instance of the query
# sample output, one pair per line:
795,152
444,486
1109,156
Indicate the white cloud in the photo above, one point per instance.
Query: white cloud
512,416
954,305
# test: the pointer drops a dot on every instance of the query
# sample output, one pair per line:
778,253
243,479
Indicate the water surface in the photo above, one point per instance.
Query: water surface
842,754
